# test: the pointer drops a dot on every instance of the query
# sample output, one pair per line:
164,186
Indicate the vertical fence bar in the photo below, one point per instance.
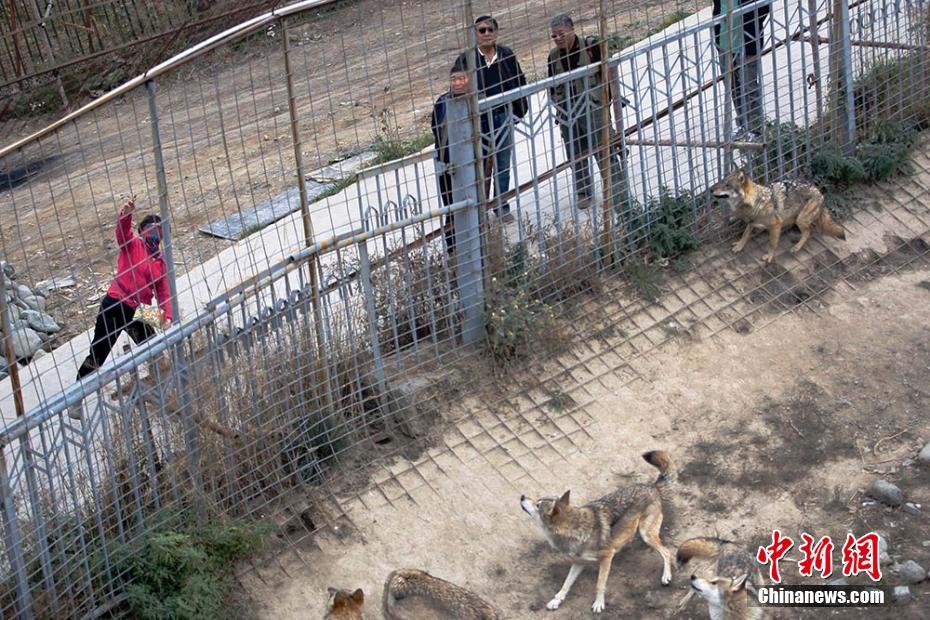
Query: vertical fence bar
467,223
368,292
813,31
190,433
474,118
12,534
606,161
309,236
842,76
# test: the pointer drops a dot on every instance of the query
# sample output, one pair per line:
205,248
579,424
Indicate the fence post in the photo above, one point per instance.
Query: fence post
842,76
12,536
606,162
190,432
323,376
468,260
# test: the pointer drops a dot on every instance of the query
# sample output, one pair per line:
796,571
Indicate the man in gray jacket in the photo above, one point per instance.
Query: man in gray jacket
579,114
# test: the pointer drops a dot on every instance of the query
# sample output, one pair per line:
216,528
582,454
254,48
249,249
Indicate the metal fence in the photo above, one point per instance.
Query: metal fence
309,341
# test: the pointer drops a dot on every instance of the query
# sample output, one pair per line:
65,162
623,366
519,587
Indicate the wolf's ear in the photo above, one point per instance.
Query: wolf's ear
739,583
563,501
741,176
339,600
358,597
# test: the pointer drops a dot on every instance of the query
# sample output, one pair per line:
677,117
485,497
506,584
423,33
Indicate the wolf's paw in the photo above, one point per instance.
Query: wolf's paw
737,248
768,257
599,604
795,248
666,578
554,603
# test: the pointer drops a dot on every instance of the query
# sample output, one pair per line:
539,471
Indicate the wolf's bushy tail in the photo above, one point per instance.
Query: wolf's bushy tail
668,472
829,227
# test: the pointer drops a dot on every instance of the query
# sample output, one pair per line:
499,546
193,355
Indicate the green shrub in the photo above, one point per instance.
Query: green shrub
517,320
186,573
672,230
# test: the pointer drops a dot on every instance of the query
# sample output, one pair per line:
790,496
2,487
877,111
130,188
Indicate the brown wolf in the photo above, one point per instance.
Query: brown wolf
411,594
344,605
775,208
600,529
723,573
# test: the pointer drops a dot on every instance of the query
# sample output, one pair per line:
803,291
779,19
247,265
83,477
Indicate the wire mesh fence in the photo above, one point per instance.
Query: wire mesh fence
58,54
332,241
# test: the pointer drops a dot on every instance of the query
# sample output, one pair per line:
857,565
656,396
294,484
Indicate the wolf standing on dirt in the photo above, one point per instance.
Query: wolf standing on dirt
579,114
775,208
140,271
597,531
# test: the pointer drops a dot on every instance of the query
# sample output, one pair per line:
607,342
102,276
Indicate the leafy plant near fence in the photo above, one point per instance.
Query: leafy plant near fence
183,572
672,224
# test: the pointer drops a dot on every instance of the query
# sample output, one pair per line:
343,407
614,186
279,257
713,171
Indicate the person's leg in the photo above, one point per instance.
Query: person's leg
731,73
445,196
577,152
111,320
139,331
502,156
752,93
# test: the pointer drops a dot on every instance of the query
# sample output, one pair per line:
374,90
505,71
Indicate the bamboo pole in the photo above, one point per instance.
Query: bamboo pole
323,375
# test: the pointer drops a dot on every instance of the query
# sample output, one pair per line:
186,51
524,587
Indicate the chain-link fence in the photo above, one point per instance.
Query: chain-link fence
333,239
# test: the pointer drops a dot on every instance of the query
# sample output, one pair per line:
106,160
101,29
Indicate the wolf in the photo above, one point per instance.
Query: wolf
724,574
596,531
345,605
775,208
412,594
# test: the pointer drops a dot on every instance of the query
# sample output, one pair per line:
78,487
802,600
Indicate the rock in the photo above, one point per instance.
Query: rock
886,493
40,322
911,572
23,291
35,302
25,343
911,508
53,284
883,556
924,456
7,269
901,595
38,354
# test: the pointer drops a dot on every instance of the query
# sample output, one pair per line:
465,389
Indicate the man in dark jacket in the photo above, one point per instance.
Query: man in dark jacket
579,115
497,71
740,37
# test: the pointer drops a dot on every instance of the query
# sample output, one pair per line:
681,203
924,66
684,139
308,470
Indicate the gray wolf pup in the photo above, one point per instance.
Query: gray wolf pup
596,531
722,573
775,208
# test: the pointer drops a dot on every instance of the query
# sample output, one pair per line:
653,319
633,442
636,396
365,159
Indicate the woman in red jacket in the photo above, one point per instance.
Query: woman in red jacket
140,270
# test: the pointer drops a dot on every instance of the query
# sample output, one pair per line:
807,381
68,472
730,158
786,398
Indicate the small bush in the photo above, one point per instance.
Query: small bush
672,231
517,321
186,573
391,146
645,277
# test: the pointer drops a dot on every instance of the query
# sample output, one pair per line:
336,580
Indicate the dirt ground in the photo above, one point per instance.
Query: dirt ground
362,69
782,392
780,428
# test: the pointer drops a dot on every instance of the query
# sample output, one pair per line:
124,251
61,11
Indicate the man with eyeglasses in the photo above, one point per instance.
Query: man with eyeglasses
579,114
497,71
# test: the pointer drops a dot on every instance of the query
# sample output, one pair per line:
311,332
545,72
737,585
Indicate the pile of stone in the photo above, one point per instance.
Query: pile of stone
31,328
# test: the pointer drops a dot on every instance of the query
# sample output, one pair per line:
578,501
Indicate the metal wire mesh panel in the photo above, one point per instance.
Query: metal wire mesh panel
339,251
